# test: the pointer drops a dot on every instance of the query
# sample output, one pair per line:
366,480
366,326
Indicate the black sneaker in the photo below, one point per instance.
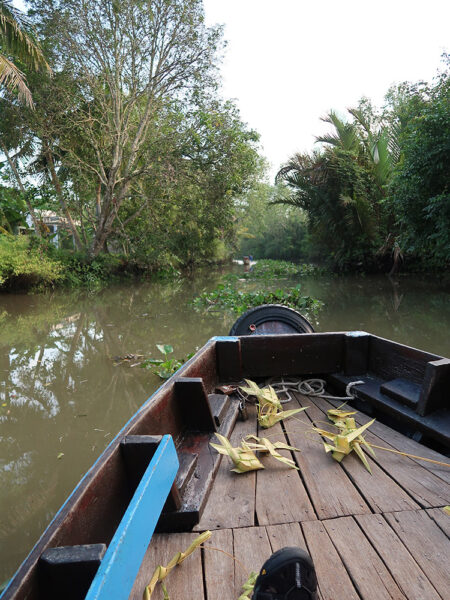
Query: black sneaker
287,575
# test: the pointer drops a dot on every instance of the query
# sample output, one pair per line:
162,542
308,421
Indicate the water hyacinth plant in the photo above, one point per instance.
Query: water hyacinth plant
227,297
166,367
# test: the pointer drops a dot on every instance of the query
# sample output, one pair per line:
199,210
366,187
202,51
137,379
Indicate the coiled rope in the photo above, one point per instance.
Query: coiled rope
308,387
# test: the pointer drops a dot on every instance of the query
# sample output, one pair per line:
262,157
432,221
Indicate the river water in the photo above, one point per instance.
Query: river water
63,396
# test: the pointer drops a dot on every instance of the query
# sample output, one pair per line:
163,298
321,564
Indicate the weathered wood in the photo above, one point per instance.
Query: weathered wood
288,534
219,568
333,579
379,490
252,548
369,574
402,390
120,565
193,402
331,491
69,570
440,518
219,404
185,581
356,344
232,500
280,494
228,353
307,353
417,478
427,543
389,360
188,464
435,425
137,452
435,386
404,569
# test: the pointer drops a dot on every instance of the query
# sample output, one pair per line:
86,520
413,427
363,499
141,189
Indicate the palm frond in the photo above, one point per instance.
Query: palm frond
17,39
345,135
13,78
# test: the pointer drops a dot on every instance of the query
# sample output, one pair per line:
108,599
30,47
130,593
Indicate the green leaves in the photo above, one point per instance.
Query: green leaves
167,366
165,349
226,296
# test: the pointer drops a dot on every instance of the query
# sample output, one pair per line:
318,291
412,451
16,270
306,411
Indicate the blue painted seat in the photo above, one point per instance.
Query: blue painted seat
120,565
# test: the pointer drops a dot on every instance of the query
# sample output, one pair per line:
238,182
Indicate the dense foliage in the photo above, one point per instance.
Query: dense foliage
227,297
267,229
24,264
377,190
278,269
420,187
129,144
129,141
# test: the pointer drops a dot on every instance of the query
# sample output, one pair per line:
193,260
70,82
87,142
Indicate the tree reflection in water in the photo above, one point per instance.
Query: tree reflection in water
61,393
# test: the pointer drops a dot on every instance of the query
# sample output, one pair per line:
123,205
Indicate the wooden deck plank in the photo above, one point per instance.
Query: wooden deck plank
404,444
331,491
379,490
232,499
368,572
333,579
280,494
252,548
426,488
185,581
427,543
440,518
289,534
402,566
218,567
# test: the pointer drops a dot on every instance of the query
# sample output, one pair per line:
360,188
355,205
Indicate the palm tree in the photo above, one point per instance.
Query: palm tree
16,40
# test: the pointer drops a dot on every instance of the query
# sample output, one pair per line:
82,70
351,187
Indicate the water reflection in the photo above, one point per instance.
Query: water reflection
61,395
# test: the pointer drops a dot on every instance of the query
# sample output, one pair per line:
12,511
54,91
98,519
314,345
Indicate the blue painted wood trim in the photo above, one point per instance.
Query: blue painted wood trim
120,565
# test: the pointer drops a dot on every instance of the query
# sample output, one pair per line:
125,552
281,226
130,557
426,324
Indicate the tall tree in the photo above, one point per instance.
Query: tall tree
128,58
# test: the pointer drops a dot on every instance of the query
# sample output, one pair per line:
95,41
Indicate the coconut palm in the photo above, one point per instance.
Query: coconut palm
17,41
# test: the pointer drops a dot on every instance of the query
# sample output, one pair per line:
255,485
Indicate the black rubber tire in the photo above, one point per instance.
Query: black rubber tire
270,312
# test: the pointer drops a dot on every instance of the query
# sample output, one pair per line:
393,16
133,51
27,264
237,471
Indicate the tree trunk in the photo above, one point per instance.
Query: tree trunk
59,193
37,227
109,209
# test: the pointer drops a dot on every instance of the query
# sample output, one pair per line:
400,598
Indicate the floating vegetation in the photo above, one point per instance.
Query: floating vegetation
166,367
268,404
277,269
227,297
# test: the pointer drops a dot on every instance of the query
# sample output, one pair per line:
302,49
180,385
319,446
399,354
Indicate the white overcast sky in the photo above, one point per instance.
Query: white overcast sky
289,61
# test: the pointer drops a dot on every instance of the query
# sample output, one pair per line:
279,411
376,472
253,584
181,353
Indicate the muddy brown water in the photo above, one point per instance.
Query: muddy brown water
62,398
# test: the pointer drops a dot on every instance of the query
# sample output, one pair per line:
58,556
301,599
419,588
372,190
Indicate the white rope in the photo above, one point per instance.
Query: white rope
308,387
